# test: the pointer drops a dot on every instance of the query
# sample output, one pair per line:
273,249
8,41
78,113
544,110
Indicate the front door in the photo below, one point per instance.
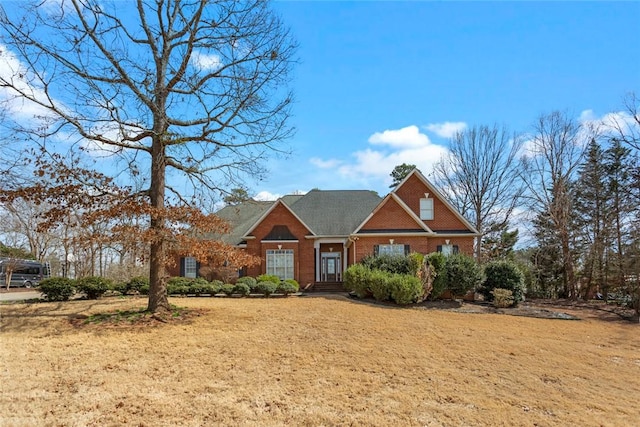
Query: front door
331,267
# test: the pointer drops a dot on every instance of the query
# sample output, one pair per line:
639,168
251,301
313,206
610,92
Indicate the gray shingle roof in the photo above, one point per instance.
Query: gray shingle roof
335,212
242,217
327,213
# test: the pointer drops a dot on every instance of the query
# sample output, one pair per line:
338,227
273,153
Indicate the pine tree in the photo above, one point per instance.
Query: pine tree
592,207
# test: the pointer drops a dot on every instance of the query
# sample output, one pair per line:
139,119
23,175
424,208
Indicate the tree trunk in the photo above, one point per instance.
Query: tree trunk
158,300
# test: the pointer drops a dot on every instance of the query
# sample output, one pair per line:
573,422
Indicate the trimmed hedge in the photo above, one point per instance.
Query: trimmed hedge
268,278
266,287
399,264
405,289
57,288
241,289
93,287
287,287
356,279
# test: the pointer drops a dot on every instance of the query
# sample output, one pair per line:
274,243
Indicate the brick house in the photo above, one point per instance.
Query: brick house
313,238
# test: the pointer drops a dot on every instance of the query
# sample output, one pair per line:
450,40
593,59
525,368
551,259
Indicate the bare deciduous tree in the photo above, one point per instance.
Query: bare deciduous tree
481,175
180,92
554,154
626,126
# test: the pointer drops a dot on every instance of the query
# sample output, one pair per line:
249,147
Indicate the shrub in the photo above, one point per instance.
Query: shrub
120,287
356,279
216,286
249,281
227,289
57,288
378,284
405,288
399,264
266,287
268,278
144,289
502,298
438,262
463,274
199,286
241,289
287,287
416,259
136,283
178,286
93,287
504,275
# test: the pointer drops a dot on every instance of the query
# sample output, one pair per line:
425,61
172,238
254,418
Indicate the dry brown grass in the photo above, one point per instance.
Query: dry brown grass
315,361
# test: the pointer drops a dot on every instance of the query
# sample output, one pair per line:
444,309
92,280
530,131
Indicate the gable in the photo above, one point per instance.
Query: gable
281,222
392,216
445,217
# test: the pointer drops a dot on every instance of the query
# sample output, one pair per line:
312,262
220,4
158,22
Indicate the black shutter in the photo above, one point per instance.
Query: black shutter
439,248
197,269
181,266
407,249
456,249
376,250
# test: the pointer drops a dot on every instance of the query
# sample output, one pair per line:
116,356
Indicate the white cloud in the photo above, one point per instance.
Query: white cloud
266,196
16,74
206,61
446,129
406,137
372,166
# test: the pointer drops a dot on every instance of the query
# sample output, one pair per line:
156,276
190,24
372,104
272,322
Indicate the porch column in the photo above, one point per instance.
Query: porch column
345,257
316,246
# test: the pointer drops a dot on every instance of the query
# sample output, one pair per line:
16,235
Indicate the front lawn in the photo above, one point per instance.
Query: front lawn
311,361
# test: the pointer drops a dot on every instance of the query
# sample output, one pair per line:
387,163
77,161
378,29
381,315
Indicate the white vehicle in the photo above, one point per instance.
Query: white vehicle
25,273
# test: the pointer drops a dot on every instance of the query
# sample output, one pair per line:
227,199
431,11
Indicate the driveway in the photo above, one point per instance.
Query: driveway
19,294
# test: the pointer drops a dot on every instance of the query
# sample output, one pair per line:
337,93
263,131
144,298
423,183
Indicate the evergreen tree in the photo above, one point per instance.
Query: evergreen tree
547,261
592,207
618,166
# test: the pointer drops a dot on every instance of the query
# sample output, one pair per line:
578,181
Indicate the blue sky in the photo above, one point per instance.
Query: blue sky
381,83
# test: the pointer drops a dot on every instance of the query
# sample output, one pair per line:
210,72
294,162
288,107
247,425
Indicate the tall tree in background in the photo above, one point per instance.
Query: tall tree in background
554,154
481,176
177,91
400,172
619,170
593,216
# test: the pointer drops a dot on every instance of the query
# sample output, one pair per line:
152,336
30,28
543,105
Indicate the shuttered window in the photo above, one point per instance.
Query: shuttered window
448,249
391,250
189,267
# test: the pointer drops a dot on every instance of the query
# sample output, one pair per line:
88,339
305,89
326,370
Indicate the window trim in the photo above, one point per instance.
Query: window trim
427,213
190,267
288,268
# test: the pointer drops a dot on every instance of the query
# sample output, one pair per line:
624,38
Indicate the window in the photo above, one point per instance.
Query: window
426,209
280,263
190,267
391,249
448,249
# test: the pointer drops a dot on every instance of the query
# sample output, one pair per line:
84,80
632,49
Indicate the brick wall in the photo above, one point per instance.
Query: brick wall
391,216
443,219
303,253
365,245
